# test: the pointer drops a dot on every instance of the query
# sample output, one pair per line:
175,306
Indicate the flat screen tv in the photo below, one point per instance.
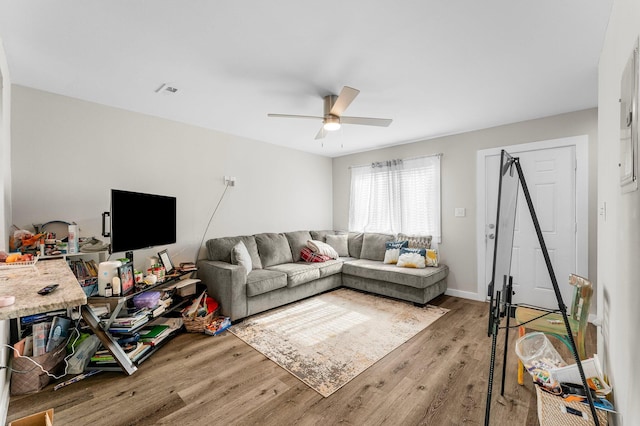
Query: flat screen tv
140,220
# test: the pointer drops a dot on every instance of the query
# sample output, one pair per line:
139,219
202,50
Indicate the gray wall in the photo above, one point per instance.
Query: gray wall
619,228
458,247
68,154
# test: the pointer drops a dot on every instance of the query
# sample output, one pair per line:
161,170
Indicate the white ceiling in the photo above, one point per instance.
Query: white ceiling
435,67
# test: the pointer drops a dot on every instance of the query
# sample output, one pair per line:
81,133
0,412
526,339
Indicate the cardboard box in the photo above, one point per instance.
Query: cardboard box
43,418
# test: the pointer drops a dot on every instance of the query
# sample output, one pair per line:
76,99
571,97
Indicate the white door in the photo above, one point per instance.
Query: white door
550,175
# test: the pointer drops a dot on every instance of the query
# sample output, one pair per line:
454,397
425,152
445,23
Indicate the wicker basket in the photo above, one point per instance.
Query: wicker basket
197,324
549,413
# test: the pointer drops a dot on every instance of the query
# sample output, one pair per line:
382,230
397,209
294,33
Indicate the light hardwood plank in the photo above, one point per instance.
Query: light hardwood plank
438,377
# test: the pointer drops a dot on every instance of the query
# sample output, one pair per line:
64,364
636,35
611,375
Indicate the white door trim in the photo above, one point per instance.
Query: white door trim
581,144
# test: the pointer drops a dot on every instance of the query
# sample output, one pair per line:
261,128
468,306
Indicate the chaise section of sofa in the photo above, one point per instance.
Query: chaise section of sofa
371,274
414,285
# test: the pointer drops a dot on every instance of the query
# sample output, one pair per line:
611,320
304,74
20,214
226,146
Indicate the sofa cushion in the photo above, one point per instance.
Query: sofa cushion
373,245
355,244
240,256
340,243
418,278
297,241
220,249
263,281
297,273
321,235
273,249
330,267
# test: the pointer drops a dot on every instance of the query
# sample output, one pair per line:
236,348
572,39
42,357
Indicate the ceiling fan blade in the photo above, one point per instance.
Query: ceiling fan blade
367,121
321,133
347,95
314,117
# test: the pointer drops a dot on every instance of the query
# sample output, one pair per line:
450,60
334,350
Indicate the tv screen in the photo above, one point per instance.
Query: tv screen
141,220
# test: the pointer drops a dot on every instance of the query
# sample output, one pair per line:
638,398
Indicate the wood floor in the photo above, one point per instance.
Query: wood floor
439,377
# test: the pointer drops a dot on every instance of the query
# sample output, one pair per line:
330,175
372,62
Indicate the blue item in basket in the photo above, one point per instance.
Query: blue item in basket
149,299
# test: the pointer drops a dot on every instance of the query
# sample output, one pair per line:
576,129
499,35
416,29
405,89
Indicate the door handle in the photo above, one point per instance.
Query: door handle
491,236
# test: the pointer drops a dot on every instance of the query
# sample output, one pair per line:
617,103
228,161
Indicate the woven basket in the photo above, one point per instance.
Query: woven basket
549,413
197,324
27,377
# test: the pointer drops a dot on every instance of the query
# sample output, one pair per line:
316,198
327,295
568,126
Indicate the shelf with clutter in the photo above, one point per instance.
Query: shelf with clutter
134,314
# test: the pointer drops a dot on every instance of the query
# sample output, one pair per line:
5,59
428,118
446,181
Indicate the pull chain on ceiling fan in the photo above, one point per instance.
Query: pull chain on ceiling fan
334,106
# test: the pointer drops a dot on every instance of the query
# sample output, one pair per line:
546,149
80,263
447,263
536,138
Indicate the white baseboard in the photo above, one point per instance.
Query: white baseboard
465,294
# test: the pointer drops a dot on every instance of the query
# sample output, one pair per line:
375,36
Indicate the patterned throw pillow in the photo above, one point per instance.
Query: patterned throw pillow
432,257
309,256
412,258
392,251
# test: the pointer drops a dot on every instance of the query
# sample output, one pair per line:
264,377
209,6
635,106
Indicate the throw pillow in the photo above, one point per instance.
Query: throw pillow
392,252
432,257
322,248
412,258
417,241
373,245
340,243
240,256
308,255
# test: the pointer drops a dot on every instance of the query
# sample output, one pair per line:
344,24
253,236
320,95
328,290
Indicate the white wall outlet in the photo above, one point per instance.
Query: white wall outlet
460,212
230,180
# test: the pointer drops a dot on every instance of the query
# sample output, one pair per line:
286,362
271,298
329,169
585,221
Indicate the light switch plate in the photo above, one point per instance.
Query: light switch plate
460,212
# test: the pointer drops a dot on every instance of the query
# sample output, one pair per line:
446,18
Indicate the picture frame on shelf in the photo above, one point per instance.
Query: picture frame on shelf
127,281
165,259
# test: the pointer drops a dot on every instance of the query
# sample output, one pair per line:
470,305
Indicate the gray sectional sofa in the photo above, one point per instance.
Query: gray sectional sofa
279,276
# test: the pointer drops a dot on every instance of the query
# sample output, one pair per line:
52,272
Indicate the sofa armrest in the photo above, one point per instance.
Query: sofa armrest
227,284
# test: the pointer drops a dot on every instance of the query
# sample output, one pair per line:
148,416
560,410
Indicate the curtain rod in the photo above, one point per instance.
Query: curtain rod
404,159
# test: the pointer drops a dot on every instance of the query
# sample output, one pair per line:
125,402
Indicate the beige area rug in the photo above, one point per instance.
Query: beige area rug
329,339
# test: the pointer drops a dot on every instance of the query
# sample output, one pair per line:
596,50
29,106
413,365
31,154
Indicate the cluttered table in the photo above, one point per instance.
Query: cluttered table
24,282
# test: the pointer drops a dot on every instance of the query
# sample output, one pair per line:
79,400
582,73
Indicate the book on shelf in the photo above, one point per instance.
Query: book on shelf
40,337
121,328
187,267
154,334
129,318
43,317
58,332
133,350
83,269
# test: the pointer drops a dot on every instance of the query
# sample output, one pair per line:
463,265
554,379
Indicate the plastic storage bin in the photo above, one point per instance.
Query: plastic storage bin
539,357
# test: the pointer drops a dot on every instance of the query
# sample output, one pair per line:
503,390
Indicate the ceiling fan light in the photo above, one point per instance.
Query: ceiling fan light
331,124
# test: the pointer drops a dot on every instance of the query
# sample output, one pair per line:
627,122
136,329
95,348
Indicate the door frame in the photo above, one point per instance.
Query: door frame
581,144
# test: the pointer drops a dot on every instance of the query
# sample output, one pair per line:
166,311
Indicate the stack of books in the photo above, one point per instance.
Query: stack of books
134,350
130,321
187,267
143,341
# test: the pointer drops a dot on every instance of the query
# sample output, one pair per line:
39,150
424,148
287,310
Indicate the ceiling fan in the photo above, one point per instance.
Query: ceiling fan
334,106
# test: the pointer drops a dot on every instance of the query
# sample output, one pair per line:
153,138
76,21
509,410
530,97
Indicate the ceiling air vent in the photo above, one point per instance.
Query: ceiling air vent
167,88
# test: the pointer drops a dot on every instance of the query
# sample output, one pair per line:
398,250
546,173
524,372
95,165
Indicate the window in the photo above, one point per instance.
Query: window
397,196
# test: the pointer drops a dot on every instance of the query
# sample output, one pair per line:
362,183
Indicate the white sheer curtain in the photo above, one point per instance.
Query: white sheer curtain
397,196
